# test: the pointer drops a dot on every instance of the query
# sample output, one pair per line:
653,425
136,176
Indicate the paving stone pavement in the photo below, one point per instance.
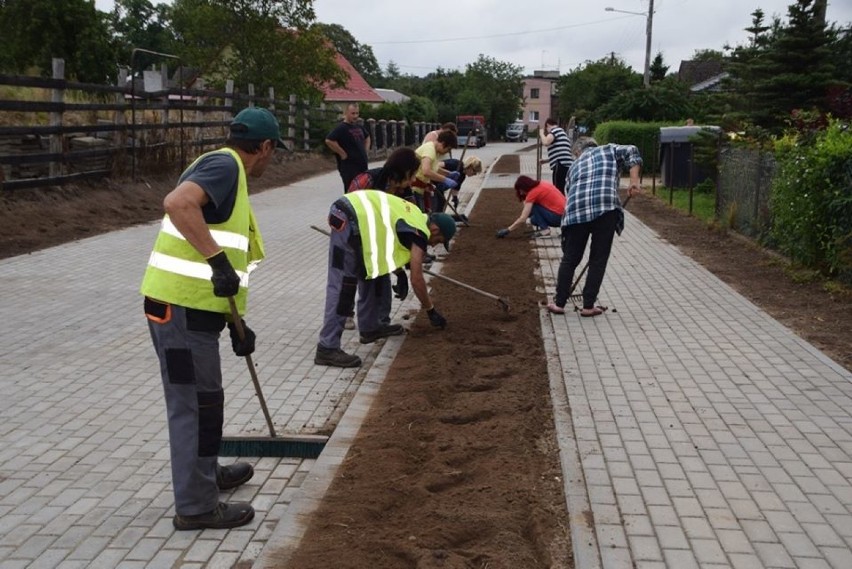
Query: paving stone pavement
695,431
701,433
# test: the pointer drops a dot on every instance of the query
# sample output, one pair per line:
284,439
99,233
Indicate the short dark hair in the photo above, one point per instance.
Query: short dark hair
401,164
244,144
550,120
448,138
449,126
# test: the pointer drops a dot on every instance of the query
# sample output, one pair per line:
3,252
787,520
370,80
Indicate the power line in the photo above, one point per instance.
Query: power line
508,34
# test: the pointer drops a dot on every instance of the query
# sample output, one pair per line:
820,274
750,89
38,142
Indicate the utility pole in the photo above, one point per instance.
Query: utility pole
819,10
649,27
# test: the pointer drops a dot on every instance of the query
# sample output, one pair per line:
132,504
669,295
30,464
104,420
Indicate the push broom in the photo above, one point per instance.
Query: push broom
300,446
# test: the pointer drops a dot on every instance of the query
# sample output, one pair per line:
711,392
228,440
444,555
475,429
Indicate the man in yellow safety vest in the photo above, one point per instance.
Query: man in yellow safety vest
207,245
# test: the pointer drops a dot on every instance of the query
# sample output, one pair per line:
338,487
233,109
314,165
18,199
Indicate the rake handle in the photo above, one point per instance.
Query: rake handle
241,333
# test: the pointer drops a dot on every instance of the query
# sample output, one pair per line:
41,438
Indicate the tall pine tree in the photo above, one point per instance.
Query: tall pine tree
799,66
783,67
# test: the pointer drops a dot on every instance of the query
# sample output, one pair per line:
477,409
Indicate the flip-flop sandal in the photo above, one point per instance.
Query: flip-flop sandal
589,312
554,309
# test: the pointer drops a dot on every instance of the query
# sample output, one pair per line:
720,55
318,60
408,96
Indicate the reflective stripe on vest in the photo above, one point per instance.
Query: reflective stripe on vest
378,214
177,273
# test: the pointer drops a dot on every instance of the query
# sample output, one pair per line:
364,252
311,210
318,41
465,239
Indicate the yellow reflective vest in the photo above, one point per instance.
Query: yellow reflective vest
378,213
178,274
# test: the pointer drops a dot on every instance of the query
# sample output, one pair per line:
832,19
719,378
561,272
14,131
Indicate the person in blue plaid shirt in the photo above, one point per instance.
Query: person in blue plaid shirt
593,210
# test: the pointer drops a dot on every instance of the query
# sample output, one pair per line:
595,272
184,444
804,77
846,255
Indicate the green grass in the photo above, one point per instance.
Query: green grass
703,204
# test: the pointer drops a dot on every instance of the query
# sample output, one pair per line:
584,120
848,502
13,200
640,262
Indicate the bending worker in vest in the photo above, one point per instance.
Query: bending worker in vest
207,244
373,234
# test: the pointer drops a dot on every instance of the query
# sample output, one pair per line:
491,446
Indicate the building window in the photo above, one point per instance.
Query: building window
533,116
534,93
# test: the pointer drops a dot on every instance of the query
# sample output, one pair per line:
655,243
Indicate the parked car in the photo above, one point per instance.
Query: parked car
517,132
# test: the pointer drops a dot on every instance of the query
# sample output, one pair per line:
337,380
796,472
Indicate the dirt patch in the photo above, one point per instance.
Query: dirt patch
32,219
456,466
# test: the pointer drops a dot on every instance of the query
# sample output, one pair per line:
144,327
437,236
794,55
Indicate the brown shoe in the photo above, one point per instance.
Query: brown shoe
225,515
233,475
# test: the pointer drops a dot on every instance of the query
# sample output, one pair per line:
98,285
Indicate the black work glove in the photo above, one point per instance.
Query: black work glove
401,286
225,280
501,233
245,346
436,319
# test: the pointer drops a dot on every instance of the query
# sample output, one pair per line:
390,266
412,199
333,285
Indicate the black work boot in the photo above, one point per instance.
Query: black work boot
233,475
335,357
383,331
225,515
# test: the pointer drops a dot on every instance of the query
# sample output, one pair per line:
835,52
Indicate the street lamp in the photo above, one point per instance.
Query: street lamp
648,27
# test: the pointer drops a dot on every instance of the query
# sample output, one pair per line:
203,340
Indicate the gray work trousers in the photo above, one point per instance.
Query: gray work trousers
345,278
187,344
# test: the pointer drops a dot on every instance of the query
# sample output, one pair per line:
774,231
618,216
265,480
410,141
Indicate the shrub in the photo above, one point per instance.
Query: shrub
644,135
812,200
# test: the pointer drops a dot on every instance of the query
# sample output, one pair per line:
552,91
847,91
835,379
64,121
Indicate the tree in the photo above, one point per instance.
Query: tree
140,24
359,55
443,87
594,83
492,88
264,42
658,68
35,31
744,66
789,68
663,101
708,55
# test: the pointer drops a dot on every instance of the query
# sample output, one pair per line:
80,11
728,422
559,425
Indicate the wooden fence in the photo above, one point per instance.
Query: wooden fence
76,130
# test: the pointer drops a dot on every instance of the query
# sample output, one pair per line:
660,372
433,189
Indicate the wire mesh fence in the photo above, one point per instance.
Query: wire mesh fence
744,188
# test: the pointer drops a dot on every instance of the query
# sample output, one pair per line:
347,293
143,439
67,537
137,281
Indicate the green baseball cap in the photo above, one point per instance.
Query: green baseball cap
446,225
255,123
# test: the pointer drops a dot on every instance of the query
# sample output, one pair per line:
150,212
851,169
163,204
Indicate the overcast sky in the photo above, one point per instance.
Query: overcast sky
543,34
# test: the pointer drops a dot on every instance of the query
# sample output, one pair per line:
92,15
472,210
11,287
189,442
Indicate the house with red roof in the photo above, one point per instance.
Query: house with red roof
356,89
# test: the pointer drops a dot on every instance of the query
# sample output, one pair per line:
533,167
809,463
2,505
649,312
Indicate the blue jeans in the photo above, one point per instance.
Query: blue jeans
542,217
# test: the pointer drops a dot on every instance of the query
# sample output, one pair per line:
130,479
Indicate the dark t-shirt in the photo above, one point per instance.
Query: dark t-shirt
352,139
410,236
218,175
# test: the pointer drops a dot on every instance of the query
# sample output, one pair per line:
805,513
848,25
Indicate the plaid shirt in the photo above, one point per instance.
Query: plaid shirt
593,182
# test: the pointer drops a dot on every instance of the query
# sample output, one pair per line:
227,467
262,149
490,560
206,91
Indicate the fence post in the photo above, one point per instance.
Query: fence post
402,126
251,94
371,128
57,96
307,125
199,117
228,112
757,184
164,120
691,172
392,128
381,134
119,137
717,209
291,122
